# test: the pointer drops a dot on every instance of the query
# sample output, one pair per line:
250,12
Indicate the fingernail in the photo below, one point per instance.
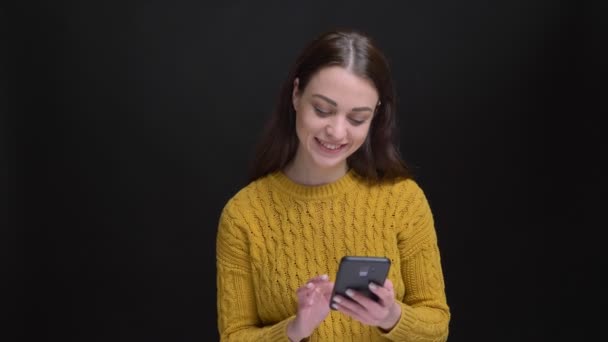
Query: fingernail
373,286
337,299
309,285
350,292
325,277
335,306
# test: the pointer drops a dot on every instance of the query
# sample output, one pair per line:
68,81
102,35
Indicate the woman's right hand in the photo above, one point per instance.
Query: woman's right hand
313,307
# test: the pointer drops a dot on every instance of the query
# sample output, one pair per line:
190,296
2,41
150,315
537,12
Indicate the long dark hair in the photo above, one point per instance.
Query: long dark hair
378,158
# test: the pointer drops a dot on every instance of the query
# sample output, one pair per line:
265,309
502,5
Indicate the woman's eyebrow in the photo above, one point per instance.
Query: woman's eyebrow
333,103
361,109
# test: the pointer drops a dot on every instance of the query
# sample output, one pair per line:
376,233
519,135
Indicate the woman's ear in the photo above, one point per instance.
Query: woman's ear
295,94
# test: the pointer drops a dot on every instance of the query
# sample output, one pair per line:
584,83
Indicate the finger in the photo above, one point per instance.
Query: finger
388,284
321,282
305,288
326,287
313,282
304,292
319,279
301,293
385,294
349,307
362,300
315,296
306,298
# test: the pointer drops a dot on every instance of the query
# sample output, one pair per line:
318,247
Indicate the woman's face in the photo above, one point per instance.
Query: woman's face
333,116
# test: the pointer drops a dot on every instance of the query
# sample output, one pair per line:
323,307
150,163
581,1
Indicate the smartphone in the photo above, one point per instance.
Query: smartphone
356,272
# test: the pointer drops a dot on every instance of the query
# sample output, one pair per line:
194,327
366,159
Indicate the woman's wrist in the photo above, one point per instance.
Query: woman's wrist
393,317
292,332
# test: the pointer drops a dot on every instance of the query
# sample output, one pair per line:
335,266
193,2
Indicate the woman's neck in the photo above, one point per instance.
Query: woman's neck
302,172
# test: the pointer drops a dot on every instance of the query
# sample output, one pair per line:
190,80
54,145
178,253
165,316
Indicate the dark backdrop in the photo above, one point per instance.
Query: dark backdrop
132,123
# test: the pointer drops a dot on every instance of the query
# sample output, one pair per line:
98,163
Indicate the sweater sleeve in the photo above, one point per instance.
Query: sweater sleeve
236,299
425,314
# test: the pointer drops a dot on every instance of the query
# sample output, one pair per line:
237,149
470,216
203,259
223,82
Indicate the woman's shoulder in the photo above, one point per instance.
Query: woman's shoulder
246,196
400,185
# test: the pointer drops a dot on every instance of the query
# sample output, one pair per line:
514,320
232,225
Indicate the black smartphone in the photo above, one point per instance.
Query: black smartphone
356,272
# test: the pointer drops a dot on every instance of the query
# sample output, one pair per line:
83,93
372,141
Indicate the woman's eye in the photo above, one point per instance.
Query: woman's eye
320,111
356,122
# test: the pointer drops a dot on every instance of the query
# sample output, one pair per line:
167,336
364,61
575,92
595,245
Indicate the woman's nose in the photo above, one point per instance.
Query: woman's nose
336,128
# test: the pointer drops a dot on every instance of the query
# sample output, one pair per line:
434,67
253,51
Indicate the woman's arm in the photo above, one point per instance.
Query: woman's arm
425,315
236,304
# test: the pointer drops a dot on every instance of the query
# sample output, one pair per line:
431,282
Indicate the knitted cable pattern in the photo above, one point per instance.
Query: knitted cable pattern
274,235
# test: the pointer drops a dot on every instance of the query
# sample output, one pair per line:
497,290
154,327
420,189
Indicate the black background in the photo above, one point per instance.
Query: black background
130,124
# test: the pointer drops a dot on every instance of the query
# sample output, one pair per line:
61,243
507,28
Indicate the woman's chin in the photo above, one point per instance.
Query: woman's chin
329,163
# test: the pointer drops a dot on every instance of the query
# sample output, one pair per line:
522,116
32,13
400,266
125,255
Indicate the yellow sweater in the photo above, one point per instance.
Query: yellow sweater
275,234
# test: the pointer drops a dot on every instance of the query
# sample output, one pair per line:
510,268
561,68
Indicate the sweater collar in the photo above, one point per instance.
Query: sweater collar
285,184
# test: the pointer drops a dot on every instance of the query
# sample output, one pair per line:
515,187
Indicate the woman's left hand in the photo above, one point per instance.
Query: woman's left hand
384,314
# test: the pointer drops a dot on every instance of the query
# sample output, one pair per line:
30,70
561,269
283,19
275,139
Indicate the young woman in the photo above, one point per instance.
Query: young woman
327,182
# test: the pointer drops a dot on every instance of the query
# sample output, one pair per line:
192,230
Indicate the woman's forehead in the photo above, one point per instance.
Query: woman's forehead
342,85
